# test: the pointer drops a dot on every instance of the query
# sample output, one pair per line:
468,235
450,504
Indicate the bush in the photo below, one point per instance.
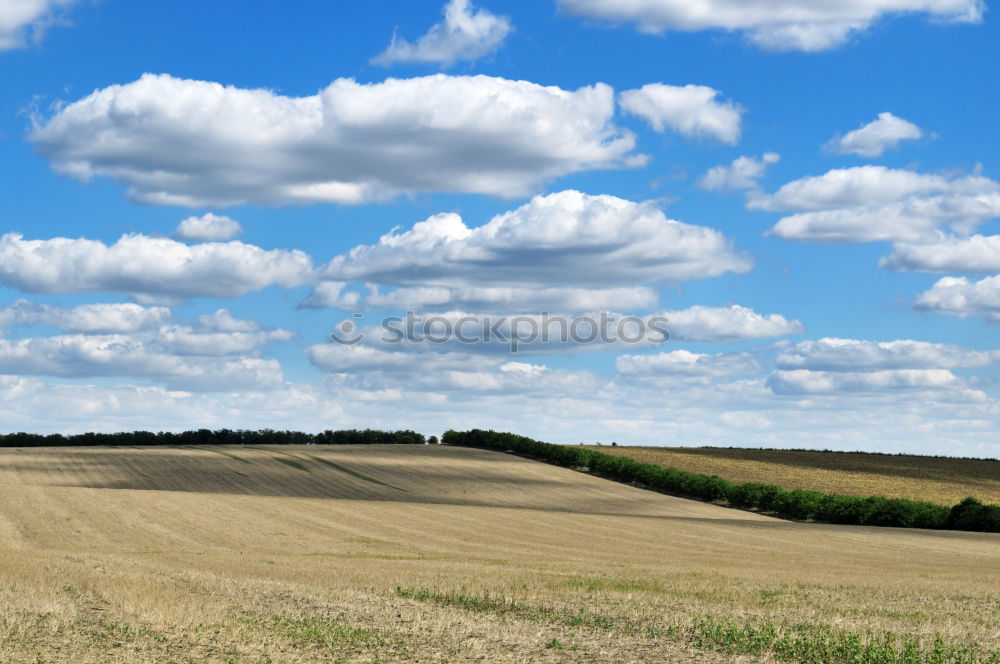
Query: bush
970,514
801,504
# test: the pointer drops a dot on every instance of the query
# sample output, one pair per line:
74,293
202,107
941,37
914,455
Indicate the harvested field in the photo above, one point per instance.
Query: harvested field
428,553
935,479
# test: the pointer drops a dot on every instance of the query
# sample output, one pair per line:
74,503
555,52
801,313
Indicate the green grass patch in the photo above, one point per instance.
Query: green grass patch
819,644
792,642
329,634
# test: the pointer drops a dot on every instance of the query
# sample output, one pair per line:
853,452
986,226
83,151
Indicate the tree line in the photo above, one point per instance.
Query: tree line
801,504
214,437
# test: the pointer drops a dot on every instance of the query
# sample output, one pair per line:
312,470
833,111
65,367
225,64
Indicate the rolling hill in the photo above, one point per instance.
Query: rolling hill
941,480
412,553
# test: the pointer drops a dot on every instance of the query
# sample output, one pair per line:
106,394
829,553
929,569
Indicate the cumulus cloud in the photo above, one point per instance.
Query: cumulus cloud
142,265
958,296
853,355
24,21
208,228
26,403
565,240
875,203
86,318
782,25
977,254
79,356
805,382
690,110
220,352
841,188
686,363
338,358
196,143
184,340
456,374
727,324
454,334
742,174
876,137
222,320
502,334
845,366
332,294
487,298
466,33
571,409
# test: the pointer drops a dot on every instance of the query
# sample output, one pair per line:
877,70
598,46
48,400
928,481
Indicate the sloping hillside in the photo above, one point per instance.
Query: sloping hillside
400,553
940,480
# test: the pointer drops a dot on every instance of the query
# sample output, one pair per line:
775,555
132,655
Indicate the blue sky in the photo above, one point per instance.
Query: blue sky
808,194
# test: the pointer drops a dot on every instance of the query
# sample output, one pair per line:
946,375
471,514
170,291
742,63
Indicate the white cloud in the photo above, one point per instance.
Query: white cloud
484,298
195,143
686,363
802,381
465,34
565,240
727,324
77,355
914,220
849,366
977,254
841,188
690,110
852,355
874,203
539,401
515,300
208,228
958,296
743,173
801,25
27,405
501,334
127,340
523,368
184,340
712,399
222,320
24,21
332,294
458,375
142,265
86,318
452,335
338,358
876,137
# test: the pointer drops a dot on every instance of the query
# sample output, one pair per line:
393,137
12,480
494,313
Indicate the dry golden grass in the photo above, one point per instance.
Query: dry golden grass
295,555
944,481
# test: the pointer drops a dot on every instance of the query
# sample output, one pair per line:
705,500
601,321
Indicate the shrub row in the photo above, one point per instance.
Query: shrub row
217,437
970,514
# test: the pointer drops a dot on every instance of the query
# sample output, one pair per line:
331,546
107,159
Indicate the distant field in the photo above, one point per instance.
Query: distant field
937,480
429,553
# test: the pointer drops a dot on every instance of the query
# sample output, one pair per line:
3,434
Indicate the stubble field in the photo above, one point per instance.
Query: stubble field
945,481
429,553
